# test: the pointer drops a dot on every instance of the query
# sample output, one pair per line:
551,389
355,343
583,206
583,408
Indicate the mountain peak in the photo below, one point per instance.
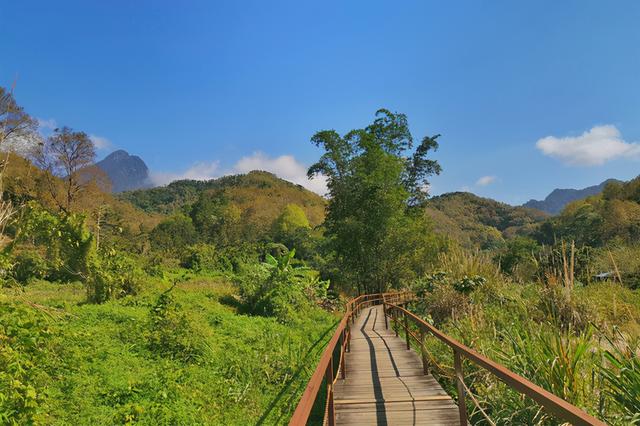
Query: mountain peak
126,172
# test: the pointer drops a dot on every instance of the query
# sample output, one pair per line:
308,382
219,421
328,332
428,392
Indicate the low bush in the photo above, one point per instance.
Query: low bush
280,288
206,258
27,266
113,275
170,333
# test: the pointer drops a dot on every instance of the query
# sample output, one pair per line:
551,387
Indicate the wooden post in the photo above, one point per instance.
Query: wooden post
406,329
395,321
462,405
386,320
330,408
423,352
343,353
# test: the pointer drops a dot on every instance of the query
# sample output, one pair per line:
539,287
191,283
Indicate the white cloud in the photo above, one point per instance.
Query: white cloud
485,180
593,148
101,142
284,166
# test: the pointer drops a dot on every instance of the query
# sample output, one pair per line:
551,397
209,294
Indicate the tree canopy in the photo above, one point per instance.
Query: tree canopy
375,177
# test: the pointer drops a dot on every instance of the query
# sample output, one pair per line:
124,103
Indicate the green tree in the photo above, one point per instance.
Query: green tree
291,219
216,219
173,234
68,242
519,253
375,179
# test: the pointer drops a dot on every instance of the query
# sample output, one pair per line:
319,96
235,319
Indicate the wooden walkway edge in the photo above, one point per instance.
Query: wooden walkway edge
385,382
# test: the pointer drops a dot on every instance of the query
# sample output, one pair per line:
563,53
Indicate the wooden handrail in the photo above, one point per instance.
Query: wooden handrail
552,403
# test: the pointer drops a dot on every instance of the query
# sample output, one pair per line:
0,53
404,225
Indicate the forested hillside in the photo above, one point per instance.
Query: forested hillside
612,216
254,189
477,222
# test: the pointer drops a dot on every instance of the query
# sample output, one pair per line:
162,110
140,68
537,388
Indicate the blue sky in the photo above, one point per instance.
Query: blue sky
201,88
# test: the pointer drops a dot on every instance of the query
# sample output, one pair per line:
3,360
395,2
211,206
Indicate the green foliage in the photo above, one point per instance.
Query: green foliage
170,333
113,275
518,258
467,284
93,364
428,283
65,238
555,361
27,266
597,220
475,222
216,219
173,235
622,376
23,336
260,198
206,258
281,288
290,220
373,179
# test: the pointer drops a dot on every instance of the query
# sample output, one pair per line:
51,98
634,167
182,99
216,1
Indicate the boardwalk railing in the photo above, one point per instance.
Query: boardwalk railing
334,356
551,403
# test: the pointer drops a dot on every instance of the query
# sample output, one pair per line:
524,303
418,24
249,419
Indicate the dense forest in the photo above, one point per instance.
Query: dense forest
211,302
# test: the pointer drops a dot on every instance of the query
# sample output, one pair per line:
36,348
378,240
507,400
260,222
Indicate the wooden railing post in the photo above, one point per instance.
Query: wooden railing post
331,414
386,320
423,352
395,321
462,405
343,355
406,330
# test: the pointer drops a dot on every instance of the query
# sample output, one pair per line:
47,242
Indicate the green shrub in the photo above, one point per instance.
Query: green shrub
65,239
6,266
280,288
170,333
28,266
467,284
205,258
173,234
428,283
113,275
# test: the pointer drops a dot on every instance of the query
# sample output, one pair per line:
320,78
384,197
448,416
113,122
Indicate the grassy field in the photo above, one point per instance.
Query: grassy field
191,358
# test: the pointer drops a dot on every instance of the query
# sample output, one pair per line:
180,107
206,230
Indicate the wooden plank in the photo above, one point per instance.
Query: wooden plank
369,401
398,406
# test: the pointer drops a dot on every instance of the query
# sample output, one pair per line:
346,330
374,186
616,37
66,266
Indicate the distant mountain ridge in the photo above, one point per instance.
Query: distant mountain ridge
126,172
559,198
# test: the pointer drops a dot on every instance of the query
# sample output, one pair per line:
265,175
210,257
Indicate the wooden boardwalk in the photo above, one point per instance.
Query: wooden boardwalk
385,383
